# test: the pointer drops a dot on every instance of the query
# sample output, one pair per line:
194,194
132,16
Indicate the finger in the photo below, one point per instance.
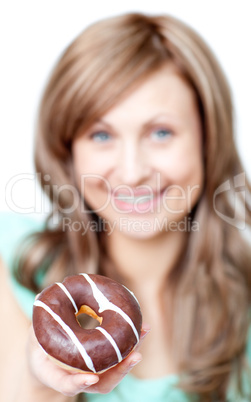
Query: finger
114,375
134,357
73,384
111,378
144,330
131,361
53,376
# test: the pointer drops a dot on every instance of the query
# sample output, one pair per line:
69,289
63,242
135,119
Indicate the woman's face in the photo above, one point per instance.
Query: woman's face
140,166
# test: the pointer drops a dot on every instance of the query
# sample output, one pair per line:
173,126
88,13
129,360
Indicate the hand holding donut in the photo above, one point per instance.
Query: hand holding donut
69,383
81,354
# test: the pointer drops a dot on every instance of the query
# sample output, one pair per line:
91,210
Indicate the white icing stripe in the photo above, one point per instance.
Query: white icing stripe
112,341
66,291
131,293
105,304
67,329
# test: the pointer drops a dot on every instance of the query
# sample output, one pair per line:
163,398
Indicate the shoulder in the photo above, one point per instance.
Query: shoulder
14,228
14,325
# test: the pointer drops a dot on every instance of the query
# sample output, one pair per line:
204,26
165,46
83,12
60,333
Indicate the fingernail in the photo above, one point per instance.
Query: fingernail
89,383
145,333
134,363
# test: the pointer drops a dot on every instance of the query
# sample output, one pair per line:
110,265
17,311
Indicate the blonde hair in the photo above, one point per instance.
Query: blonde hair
211,286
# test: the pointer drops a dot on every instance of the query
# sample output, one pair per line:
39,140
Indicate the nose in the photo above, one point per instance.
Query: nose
133,167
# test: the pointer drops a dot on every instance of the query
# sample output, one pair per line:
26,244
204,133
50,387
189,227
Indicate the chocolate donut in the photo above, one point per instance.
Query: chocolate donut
95,350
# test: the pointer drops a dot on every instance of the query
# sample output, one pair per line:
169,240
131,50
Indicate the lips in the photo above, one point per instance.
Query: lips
136,201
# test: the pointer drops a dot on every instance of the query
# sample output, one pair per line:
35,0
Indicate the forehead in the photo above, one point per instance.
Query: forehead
165,90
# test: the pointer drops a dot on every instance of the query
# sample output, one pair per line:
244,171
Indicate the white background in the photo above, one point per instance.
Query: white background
34,33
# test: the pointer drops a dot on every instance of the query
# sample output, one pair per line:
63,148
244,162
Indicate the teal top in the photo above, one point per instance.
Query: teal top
13,229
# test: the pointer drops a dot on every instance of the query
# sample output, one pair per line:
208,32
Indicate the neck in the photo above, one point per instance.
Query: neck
143,263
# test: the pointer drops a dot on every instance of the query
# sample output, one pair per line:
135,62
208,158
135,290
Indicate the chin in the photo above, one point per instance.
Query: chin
140,229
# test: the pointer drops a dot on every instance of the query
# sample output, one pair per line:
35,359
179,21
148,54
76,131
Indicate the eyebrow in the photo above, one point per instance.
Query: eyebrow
147,123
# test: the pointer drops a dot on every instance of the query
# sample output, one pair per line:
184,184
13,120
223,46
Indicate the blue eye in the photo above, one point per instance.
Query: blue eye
161,134
100,136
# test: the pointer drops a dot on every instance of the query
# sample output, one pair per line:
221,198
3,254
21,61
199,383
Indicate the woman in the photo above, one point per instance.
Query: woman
134,148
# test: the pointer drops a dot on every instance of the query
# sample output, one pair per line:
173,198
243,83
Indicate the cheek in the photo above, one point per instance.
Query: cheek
189,170
191,176
183,173
184,187
90,168
96,191
181,166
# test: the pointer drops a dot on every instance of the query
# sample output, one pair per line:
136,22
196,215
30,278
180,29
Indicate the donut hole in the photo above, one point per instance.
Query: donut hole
87,322
87,318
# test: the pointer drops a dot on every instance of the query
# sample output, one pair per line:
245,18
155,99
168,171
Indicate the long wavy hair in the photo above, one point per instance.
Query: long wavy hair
211,288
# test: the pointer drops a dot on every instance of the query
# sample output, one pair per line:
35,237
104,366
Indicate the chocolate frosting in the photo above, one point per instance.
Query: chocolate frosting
92,350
